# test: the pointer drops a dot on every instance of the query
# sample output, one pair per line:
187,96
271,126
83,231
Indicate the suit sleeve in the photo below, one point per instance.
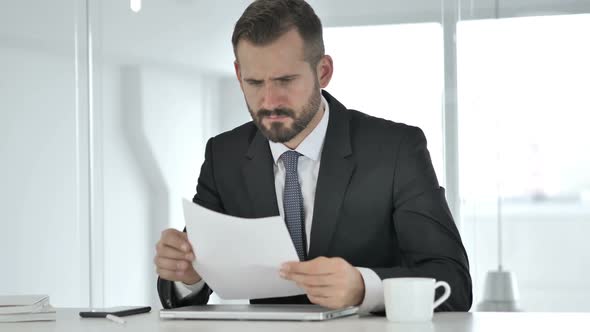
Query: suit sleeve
427,235
208,197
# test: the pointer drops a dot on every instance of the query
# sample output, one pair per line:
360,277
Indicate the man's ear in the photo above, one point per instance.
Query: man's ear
238,73
325,69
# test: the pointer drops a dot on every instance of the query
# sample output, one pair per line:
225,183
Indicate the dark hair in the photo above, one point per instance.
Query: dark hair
265,21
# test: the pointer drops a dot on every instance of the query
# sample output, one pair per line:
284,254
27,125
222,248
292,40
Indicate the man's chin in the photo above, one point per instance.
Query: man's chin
277,131
280,135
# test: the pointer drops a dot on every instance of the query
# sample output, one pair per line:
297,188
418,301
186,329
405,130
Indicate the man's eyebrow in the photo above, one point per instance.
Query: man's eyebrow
285,77
278,78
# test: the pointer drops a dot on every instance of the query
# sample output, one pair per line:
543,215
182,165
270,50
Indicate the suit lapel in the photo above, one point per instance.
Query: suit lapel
336,169
259,177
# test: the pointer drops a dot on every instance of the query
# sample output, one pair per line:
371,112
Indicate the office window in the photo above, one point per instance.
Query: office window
41,182
393,72
523,114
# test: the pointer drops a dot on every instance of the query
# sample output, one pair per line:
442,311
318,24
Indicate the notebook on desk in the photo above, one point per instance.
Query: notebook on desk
257,312
24,308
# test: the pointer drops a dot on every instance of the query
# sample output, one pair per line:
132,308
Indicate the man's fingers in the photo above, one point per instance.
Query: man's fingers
172,253
174,257
332,291
319,300
176,239
171,264
327,302
324,292
312,280
171,275
165,263
329,282
317,266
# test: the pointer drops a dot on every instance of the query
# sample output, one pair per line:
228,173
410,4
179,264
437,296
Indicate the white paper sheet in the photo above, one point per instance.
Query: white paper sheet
240,258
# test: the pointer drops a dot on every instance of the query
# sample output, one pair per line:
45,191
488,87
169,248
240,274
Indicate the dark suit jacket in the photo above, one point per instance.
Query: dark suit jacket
378,203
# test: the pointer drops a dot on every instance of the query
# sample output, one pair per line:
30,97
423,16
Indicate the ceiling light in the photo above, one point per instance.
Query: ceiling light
135,5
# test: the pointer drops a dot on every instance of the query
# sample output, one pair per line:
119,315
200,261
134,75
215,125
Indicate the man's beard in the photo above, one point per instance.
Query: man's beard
278,131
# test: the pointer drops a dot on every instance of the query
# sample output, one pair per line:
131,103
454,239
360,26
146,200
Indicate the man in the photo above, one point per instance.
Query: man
358,194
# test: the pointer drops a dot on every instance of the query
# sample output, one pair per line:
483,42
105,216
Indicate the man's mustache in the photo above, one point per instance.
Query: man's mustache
276,112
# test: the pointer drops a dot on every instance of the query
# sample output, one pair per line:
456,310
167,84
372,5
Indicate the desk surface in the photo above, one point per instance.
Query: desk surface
68,320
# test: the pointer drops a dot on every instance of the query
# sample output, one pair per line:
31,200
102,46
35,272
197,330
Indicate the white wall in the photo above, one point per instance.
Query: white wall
233,111
156,121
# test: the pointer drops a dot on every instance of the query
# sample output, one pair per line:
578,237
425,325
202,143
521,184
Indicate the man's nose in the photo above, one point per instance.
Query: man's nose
271,97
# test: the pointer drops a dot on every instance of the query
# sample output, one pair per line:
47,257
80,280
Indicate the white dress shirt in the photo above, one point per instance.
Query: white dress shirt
308,168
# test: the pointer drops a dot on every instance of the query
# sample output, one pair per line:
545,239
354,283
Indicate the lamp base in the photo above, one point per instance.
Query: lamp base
501,292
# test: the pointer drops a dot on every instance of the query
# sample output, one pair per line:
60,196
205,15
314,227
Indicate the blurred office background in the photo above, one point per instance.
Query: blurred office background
105,112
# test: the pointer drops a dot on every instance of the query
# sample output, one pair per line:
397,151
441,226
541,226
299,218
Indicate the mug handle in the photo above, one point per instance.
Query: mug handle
446,294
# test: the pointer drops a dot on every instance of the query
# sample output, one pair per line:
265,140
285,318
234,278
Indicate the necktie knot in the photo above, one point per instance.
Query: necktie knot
290,159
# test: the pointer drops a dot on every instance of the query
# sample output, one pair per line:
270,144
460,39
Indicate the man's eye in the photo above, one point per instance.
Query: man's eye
255,83
285,81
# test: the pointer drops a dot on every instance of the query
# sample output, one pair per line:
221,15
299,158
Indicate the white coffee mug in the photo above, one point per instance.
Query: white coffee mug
411,299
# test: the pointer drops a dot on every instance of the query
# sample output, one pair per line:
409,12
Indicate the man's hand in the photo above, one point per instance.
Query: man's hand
174,257
329,282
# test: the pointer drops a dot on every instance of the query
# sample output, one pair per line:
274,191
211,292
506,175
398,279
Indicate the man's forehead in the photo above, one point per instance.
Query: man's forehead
262,67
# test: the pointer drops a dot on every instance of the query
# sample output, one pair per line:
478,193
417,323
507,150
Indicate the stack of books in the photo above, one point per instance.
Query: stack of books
25,308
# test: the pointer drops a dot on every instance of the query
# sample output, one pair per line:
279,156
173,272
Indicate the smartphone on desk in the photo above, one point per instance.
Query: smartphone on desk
115,311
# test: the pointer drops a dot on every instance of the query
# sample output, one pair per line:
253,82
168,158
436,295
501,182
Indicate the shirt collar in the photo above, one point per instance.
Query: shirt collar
311,146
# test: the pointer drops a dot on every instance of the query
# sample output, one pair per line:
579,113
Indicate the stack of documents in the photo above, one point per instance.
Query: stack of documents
25,308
